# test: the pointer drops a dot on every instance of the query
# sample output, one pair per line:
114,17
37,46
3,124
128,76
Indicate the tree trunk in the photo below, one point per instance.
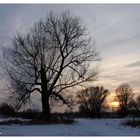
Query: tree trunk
46,114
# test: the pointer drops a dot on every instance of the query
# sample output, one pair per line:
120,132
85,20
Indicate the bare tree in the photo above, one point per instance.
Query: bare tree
134,105
92,99
124,94
138,104
55,55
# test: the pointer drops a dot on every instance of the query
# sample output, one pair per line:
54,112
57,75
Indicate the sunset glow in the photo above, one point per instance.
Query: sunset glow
115,104
112,101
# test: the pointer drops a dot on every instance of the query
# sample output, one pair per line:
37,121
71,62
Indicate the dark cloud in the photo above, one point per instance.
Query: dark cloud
135,83
134,64
5,40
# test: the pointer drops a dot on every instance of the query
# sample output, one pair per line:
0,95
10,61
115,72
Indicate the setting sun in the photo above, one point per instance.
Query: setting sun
115,104
112,101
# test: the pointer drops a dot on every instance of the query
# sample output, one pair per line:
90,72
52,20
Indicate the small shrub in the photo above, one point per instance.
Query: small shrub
67,121
6,109
133,123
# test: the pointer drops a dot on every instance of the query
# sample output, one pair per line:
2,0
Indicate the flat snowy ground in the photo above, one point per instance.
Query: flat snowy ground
86,127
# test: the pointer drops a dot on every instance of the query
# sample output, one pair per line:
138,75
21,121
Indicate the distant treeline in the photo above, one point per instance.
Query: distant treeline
8,111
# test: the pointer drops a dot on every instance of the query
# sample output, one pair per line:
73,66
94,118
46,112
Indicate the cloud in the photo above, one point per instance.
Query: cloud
134,64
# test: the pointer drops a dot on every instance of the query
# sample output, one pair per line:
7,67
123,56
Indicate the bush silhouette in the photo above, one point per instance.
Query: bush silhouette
6,109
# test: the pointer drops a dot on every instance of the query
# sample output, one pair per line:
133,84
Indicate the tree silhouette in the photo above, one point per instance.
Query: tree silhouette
6,109
92,99
55,55
134,105
124,94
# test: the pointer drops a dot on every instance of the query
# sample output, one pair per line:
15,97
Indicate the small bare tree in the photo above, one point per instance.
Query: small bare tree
134,105
55,55
92,99
138,104
124,94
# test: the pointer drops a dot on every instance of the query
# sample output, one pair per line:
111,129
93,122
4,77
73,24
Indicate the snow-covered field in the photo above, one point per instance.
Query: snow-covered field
86,127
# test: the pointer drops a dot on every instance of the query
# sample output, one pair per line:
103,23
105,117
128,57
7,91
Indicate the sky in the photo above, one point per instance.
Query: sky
115,27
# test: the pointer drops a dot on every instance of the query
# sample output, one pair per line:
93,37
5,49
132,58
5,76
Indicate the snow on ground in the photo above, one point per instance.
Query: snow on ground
12,118
86,127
